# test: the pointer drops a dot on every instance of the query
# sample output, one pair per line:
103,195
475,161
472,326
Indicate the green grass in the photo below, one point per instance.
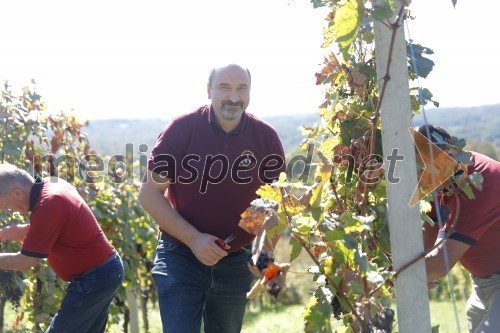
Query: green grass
271,317
289,318
443,314
277,319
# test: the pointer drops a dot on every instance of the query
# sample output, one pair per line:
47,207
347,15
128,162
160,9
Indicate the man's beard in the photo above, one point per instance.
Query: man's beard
231,113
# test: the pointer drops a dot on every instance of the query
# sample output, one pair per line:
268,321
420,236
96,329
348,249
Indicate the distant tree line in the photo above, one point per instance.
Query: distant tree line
478,125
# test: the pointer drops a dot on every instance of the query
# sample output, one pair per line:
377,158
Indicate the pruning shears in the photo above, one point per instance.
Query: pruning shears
223,244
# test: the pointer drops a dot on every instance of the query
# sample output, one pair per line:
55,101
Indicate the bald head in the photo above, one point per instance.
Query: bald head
216,70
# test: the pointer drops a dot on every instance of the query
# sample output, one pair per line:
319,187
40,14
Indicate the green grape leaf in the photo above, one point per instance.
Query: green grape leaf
317,316
11,149
476,179
350,241
318,3
420,65
333,235
383,9
355,287
327,146
362,261
427,219
468,191
463,157
346,23
304,222
296,248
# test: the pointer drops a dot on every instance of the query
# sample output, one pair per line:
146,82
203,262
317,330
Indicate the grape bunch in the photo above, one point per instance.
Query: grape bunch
11,286
274,289
262,261
336,307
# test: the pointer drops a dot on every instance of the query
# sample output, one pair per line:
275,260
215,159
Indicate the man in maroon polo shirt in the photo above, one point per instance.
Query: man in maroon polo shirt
474,240
62,229
202,175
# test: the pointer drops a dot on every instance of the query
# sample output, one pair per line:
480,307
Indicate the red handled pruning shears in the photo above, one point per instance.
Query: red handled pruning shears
223,243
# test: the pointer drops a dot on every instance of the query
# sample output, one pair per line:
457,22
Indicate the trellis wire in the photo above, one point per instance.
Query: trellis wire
436,202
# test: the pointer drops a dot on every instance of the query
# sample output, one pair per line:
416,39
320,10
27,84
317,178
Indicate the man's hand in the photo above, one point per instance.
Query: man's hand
206,250
432,284
255,271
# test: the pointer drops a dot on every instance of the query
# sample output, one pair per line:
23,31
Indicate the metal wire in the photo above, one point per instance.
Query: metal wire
436,202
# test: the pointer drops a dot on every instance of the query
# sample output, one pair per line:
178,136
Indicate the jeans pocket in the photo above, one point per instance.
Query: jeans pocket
168,244
107,277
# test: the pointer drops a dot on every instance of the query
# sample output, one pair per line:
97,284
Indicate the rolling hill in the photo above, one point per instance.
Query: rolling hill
109,136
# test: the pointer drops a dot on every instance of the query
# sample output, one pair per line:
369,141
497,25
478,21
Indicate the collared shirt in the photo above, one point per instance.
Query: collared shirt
215,174
478,221
63,229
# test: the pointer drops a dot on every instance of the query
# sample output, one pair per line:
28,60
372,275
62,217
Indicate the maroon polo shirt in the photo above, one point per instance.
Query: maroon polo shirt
64,230
215,174
478,221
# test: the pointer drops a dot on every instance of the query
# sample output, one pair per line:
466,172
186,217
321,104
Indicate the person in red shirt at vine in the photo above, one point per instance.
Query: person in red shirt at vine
62,229
202,175
471,227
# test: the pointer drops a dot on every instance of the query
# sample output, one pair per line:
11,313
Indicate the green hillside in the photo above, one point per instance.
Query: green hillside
110,136
479,125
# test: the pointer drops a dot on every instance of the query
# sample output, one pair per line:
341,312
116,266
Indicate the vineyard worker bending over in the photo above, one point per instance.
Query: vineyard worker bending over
473,225
202,175
62,229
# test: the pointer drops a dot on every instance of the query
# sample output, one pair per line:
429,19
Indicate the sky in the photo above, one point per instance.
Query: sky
150,59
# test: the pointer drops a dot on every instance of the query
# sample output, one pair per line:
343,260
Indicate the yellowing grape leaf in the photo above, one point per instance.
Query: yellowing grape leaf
251,220
260,215
269,192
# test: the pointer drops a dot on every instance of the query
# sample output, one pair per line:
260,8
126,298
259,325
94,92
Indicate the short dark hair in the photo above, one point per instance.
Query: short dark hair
430,130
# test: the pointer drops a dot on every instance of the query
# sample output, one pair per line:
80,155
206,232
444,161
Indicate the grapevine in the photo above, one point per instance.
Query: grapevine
55,144
340,218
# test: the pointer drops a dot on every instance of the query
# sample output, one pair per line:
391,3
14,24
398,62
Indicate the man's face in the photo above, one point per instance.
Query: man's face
230,92
13,201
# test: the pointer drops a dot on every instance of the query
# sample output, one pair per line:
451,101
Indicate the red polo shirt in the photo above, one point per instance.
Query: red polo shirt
216,174
478,221
64,230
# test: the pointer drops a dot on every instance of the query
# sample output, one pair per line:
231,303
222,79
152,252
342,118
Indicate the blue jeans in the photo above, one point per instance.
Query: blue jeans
85,307
189,291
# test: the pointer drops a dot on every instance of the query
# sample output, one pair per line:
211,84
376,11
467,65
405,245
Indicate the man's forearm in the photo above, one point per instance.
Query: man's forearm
165,215
434,263
15,262
15,232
